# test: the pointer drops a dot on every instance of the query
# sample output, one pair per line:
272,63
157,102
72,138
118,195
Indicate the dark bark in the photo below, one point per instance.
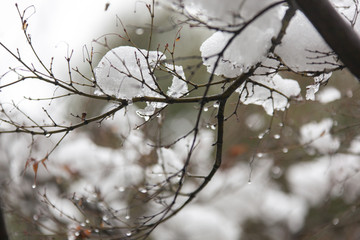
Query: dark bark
335,30
3,231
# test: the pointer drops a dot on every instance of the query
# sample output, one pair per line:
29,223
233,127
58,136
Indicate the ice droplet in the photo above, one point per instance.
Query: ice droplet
277,136
128,234
48,135
35,217
206,109
105,218
127,217
260,155
249,182
121,189
285,150
33,186
139,31
216,105
213,127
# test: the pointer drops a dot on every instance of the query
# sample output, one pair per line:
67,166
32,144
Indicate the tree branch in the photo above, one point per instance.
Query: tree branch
337,33
3,231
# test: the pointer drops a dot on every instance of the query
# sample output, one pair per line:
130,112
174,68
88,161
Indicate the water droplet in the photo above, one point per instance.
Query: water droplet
127,217
96,230
33,186
206,109
213,127
83,224
35,217
335,221
281,124
261,135
216,105
142,190
128,234
77,234
285,150
146,118
276,172
48,135
249,182
139,31
259,155
277,136
87,221
121,189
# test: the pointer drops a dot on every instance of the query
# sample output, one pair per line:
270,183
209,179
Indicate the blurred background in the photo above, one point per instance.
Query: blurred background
274,183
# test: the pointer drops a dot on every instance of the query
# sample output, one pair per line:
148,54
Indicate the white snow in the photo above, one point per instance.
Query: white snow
328,94
303,49
124,72
355,145
178,86
325,177
247,49
317,136
311,90
266,96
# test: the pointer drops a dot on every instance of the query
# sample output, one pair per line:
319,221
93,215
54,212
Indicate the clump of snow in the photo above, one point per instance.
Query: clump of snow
304,50
334,176
318,138
229,13
355,145
127,72
124,72
328,94
272,94
246,49
198,222
318,80
178,86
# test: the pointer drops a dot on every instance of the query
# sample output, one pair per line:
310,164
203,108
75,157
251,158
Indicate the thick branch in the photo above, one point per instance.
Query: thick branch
3,231
338,33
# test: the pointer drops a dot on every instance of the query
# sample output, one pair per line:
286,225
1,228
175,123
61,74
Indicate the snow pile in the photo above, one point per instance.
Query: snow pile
325,177
304,50
273,94
230,202
125,72
128,72
317,137
230,55
328,94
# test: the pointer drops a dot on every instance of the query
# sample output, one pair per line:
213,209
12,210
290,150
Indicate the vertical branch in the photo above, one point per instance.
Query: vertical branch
3,231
